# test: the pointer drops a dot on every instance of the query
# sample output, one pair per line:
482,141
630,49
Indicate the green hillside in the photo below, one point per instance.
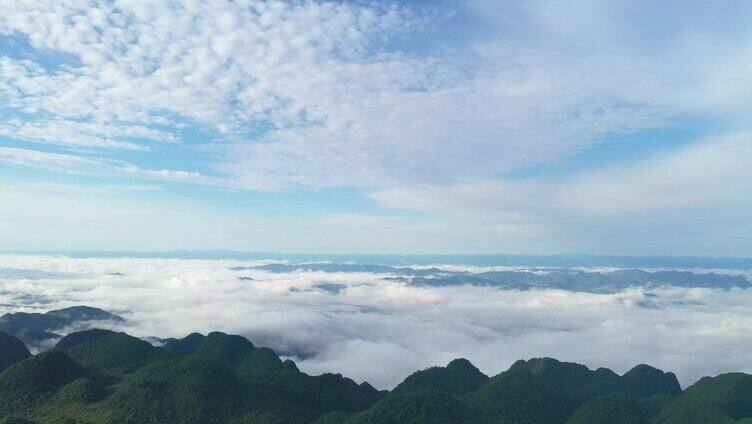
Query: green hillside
115,354
12,350
726,398
101,376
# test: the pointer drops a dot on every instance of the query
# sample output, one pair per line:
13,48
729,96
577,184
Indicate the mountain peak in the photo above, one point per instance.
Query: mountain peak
290,365
185,346
646,380
461,364
459,376
84,313
27,381
114,353
550,368
79,337
225,347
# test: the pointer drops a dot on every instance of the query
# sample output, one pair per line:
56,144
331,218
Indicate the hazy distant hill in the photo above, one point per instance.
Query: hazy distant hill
595,282
546,278
101,376
561,260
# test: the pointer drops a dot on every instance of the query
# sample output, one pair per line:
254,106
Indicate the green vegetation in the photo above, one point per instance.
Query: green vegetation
646,381
184,346
457,378
609,409
34,382
425,407
726,398
75,339
12,350
115,354
101,376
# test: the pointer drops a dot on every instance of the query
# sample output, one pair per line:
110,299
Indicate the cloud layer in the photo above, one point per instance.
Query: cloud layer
315,94
368,319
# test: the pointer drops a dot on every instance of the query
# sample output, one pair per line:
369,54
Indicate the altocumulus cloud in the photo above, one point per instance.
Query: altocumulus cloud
349,322
313,93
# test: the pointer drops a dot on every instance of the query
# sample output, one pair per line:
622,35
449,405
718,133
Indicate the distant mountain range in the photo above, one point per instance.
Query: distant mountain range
102,376
35,328
561,260
527,279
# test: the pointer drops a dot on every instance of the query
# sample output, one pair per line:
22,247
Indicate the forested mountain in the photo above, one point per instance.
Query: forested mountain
102,376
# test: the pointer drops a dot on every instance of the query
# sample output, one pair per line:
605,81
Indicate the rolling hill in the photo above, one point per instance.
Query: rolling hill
102,376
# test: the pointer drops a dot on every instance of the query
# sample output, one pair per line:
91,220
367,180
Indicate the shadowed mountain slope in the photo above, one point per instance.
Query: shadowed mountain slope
12,350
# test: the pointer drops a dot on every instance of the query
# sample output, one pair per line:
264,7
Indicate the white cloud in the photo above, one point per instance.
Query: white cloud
33,158
688,201
694,196
336,108
372,320
708,173
515,108
314,95
685,57
220,62
93,166
83,134
711,173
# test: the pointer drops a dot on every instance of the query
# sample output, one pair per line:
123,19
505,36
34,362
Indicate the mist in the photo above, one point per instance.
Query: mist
375,328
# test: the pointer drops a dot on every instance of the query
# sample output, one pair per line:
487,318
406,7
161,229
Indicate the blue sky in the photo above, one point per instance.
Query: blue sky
614,127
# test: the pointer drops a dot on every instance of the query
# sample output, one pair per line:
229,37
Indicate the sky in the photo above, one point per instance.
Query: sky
477,126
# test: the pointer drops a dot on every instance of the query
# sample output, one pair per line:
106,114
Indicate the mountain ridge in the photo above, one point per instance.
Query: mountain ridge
102,376
34,328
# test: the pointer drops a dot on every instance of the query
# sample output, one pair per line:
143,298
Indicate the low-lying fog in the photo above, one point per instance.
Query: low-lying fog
379,327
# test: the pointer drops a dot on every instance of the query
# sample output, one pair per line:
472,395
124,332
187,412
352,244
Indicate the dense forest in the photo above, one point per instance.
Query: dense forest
103,376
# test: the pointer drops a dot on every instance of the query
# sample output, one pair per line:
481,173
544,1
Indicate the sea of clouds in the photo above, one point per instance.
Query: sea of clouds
372,328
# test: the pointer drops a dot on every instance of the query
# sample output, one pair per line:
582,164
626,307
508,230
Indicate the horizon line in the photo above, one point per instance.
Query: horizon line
479,259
